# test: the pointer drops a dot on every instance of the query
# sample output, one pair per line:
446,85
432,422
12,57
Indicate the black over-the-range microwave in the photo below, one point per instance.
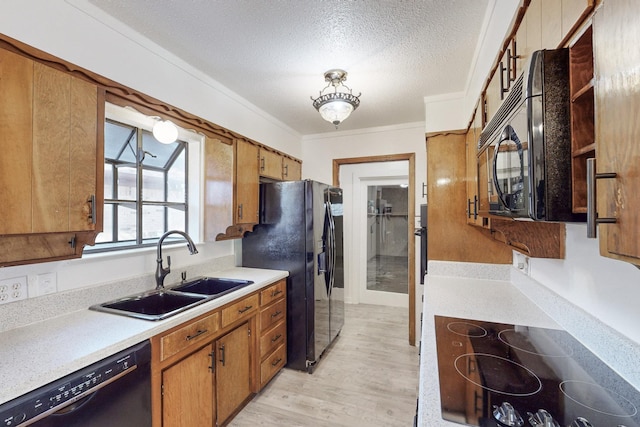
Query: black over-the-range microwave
524,152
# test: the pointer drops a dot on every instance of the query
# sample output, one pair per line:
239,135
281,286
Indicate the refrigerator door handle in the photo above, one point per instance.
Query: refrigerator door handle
331,248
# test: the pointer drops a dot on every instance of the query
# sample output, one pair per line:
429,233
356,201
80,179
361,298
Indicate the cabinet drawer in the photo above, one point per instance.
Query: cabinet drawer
239,310
273,292
273,364
271,339
272,315
180,339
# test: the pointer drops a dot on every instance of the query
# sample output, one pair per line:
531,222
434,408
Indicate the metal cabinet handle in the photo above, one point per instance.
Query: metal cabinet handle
246,308
424,189
285,171
276,362
212,355
92,214
276,314
240,211
222,354
274,293
503,89
262,164
276,338
197,334
592,214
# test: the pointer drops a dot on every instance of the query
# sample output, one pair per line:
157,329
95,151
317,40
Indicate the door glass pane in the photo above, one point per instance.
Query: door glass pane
387,238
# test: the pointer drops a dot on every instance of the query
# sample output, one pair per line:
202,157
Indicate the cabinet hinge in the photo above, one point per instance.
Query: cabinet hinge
249,331
162,389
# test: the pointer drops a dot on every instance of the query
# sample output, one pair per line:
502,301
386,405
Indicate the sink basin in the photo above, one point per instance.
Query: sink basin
212,286
155,305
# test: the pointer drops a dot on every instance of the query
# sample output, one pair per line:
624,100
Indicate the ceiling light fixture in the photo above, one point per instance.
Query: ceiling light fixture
165,131
336,106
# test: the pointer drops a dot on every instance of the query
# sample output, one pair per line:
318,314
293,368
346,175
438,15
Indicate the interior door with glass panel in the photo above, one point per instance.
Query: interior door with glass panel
384,275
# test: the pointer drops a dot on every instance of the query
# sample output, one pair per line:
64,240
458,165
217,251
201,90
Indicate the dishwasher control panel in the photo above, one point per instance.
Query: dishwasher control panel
69,390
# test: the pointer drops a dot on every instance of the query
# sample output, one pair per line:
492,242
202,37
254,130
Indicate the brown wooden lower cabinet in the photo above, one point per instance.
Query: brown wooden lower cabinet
205,370
233,371
187,391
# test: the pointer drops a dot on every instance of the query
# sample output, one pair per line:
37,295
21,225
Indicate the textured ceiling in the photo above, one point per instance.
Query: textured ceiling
274,52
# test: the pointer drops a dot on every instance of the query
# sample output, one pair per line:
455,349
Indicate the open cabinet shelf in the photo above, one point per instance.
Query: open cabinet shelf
582,116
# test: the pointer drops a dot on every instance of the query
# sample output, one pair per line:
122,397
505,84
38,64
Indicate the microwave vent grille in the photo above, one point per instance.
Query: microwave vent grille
514,98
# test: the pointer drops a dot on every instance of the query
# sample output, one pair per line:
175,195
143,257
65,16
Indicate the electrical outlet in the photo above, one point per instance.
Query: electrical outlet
14,289
521,262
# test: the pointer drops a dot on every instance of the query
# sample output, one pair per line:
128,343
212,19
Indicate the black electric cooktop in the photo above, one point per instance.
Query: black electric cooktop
495,375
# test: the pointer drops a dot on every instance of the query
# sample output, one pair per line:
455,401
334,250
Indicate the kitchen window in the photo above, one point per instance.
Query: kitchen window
145,187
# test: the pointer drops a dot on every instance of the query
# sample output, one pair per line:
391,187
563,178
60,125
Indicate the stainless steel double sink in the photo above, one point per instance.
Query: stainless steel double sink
164,303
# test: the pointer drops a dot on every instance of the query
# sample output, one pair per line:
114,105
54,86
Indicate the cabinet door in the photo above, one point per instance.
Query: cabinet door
83,153
291,169
551,24
472,169
187,392
219,207
521,46
247,183
492,95
233,371
270,164
617,79
16,103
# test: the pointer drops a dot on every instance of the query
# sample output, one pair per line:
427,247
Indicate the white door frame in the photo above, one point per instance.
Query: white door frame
351,177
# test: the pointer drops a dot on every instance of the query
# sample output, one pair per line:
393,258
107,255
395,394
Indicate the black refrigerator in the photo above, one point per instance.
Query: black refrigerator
300,231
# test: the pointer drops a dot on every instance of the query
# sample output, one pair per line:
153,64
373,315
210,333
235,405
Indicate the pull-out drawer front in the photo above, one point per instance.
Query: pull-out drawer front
241,309
272,315
273,364
272,338
273,292
192,333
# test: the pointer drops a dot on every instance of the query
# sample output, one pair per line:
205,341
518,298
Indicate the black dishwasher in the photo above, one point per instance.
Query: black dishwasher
115,391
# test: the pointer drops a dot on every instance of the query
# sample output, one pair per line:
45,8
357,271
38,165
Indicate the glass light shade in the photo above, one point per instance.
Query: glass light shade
165,131
335,111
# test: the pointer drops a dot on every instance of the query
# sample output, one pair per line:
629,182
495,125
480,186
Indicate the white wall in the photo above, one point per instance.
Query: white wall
318,152
75,31
605,288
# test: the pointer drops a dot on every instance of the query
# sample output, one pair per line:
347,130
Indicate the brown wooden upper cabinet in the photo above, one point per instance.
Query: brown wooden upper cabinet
617,99
473,201
291,169
270,164
233,171
51,168
278,167
247,183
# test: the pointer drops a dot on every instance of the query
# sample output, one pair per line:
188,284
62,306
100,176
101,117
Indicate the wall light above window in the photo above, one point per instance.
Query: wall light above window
165,131
336,106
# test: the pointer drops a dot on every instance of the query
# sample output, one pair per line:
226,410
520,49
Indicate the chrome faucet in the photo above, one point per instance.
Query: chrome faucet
162,272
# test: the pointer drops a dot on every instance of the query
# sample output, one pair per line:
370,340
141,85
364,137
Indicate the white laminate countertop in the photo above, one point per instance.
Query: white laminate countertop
468,299
34,355
511,301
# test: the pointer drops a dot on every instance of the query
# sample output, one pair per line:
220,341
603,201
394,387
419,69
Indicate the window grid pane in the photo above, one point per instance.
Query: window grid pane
163,191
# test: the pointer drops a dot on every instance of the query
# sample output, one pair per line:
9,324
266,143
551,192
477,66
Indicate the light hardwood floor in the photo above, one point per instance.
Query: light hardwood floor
368,377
